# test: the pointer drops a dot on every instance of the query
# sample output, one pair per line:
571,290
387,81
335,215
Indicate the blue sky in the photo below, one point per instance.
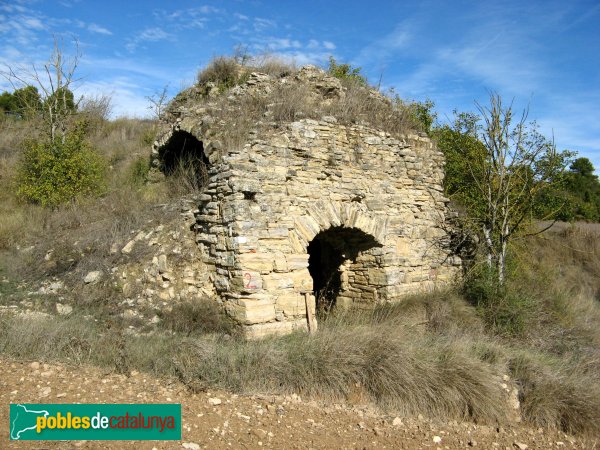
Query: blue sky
545,53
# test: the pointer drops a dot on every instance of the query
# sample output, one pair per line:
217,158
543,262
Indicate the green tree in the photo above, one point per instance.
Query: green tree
7,102
24,102
462,148
584,168
28,101
61,102
499,166
583,186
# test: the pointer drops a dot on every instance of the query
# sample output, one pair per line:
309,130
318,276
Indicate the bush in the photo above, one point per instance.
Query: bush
138,171
222,71
504,308
346,72
55,172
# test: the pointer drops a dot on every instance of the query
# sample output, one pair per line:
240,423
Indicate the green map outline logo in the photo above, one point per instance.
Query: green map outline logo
14,421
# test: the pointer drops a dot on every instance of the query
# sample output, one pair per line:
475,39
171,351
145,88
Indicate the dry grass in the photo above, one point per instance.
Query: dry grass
228,71
291,99
362,105
401,373
428,355
291,102
387,365
223,71
189,178
197,316
558,393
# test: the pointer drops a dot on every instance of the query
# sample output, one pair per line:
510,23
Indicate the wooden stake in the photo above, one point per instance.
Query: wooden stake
312,323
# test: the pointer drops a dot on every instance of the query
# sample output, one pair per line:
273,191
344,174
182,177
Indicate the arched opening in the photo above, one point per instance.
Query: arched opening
183,156
332,253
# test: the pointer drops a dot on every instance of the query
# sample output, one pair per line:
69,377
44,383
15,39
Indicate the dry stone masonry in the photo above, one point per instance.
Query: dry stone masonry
310,212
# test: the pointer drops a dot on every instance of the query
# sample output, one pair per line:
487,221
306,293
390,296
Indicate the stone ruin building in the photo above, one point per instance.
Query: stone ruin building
306,215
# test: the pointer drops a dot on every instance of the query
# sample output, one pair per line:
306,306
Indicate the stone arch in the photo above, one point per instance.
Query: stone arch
183,153
344,244
339,262
324,214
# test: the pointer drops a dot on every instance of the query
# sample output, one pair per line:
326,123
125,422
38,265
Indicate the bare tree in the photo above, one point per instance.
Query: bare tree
54,80
98,105
158,102
517,165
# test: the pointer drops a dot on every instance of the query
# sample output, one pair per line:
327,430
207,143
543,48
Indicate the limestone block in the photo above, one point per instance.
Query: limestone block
221,283
251,311
297,244
274,233
277,281
280,263
377,276
303,282
92,277
372,140
274,328
259,262
274,245
297,261
307,227
359,279
291,304
247,281
344,302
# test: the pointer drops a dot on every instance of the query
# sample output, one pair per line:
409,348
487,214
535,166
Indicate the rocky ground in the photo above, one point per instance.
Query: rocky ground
215,420
144,275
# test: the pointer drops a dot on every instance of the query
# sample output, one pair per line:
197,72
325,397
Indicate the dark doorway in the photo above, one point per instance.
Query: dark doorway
183,155
327,251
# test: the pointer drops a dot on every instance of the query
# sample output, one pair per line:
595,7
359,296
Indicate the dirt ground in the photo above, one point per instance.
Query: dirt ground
250,422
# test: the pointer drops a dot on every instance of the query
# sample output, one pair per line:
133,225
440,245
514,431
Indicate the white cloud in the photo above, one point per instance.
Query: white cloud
302,58
21,29
69,4
206,10
281,44
382,49
92,27
498,61
261,24
153,34
127,98
329,45
187,18
11,8
32,23
125,65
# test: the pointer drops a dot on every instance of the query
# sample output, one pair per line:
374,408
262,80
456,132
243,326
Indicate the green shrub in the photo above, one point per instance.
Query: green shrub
346,72
138,171
223,71
504,308
57,171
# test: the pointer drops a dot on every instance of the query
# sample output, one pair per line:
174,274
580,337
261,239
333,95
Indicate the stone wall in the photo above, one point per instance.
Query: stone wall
314,201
